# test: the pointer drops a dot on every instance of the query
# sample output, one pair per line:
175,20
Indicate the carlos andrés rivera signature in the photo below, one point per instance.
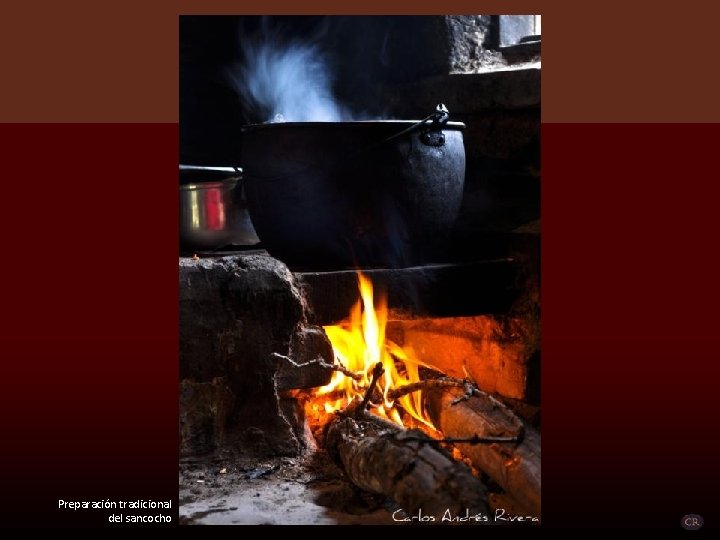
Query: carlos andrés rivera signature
500,516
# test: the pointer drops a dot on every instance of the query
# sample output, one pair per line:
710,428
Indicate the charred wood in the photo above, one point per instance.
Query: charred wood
382,458
515,466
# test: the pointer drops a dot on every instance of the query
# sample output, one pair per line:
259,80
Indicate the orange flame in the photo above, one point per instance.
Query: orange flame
359,343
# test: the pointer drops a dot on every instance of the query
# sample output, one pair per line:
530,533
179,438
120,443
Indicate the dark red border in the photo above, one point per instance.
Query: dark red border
630,297
89,337
605,61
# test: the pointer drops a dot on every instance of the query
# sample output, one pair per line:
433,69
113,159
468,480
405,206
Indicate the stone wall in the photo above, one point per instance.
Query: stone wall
244,340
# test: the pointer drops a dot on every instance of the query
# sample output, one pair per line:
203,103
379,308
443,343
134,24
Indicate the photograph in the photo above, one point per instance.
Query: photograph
359,270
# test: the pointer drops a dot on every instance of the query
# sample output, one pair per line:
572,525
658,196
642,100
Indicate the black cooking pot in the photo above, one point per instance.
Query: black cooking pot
354,194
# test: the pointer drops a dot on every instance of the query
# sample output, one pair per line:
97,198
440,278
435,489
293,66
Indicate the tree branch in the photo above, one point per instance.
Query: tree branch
342,369
440,382
377,371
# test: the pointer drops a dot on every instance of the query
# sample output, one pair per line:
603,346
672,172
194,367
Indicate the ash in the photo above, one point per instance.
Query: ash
307,490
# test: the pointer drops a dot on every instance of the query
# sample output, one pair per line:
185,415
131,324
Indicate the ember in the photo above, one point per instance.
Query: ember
359,344
383,375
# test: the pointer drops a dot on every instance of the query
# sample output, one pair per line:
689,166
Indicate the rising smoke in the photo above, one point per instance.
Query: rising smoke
283,81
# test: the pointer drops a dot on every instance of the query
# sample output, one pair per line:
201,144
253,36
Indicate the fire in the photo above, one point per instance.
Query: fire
359,344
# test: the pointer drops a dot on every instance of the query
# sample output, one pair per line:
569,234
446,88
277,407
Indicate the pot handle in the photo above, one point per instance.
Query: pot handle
435,120
433,136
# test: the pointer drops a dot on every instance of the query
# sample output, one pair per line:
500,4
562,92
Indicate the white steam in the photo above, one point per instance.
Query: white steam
288,82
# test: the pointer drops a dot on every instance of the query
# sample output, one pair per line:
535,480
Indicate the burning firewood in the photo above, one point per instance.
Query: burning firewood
342,369
514,466
471,418
382,458
380,455
404,465
441,382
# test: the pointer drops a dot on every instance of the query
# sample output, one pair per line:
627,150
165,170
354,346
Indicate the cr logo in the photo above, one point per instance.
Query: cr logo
691,522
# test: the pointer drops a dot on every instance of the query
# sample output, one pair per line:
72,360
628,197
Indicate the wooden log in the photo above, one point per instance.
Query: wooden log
514,466
381,458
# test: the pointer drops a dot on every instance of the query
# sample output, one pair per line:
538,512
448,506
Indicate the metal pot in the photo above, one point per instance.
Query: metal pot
348,194
213,212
